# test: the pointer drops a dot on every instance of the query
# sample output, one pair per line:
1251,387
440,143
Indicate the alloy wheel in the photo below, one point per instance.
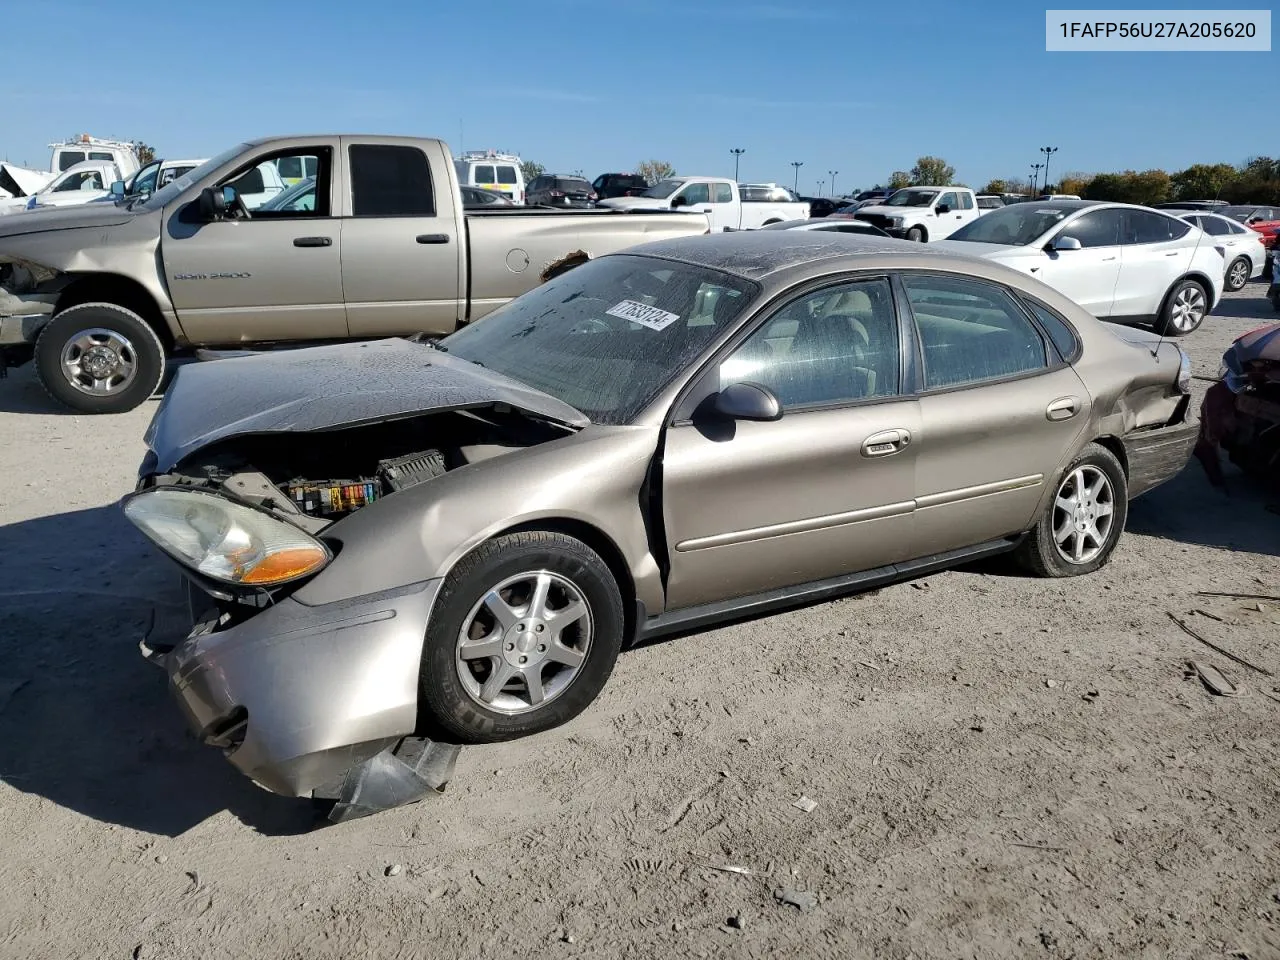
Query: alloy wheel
1188,308
524,642
99,362
1238,276
1083,514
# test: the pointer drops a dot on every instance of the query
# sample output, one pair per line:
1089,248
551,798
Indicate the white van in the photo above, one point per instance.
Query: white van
489,170
79,149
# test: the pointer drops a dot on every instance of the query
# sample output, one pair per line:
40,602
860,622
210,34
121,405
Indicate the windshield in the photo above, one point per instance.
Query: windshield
175,188
663,189
911,198
1014,226
607,336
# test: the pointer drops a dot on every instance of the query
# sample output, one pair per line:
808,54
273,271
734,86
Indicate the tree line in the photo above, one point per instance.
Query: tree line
1257,180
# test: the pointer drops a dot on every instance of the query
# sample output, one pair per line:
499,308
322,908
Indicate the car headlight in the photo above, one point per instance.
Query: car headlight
224,540
895,221
1184,372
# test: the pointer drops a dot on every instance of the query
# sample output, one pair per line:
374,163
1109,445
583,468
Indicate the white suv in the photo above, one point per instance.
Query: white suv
1122,263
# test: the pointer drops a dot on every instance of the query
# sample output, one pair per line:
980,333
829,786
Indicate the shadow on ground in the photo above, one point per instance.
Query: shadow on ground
93,727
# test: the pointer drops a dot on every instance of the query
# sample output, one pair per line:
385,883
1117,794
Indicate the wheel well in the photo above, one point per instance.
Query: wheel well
112,288
601,543
1205,284
1116,447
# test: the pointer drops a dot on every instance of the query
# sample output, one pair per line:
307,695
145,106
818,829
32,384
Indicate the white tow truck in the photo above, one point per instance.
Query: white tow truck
729,206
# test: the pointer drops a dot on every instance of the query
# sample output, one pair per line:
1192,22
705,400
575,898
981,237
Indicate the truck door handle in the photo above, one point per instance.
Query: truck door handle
1173,253
313,241
433,238
1105,259
1064,408
886,443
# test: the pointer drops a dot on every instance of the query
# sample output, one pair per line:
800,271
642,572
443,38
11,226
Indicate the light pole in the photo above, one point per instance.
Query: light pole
821,184
737,153
832,174
1035,177
1048,152
797,164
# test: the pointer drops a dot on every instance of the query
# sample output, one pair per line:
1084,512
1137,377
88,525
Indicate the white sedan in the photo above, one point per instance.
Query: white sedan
1245,253
1123,263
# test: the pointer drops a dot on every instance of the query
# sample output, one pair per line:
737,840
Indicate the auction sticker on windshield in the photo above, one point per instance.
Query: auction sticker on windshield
643,314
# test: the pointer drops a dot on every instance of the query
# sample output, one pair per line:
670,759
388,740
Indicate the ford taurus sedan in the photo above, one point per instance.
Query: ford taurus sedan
453,540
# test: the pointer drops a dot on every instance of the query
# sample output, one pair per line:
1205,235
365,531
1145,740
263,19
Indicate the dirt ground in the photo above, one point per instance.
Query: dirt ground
1002,767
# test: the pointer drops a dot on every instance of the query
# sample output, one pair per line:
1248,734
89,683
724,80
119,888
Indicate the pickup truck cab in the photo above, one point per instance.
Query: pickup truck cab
720,199
82,183
102,294
923,213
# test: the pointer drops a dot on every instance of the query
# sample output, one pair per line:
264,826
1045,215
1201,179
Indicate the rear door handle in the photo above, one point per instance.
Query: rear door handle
433,238
1064,408
313,241
886,442
1173,253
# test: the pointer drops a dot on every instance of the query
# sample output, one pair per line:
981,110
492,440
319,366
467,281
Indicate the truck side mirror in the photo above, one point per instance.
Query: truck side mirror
216,201
117,189
943,208
679,201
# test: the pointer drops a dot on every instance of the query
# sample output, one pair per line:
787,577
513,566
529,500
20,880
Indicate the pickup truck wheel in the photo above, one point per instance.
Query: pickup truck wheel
99,358
1184,310
1083,523
522,637
916,235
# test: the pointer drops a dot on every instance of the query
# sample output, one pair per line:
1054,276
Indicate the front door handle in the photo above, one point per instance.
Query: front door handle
886,443
433,238
313,242
1064,408
1105,259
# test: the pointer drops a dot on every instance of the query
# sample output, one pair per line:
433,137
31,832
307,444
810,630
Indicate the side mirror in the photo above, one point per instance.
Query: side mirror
117,189
1254,219
216,201
679,201
748,401
1065,243
943,208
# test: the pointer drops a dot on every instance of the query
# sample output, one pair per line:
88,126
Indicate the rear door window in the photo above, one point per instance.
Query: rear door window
1142,227
1213,226
390,181
483,174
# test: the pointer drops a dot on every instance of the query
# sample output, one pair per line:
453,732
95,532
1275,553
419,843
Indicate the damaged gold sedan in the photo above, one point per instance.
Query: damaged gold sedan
399,547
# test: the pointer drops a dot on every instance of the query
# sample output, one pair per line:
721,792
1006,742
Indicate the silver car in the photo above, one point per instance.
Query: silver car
401,546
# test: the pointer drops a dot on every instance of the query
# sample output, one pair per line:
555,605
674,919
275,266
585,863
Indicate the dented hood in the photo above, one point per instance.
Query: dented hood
46,219
326,388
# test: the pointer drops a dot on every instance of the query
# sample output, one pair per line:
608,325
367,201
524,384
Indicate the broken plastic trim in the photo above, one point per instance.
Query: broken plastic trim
402,774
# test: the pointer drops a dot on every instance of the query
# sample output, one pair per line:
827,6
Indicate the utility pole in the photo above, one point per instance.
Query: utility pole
832,174
1048,152
737,154
1035,177
797,164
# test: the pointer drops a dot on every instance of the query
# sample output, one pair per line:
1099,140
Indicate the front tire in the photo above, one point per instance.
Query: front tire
99,358
1184,310
523,636
1082,525
917,235
1238,274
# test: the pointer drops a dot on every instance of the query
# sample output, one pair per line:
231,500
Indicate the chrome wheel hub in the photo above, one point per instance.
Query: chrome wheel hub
99,362
1239,274
1083,515
524,642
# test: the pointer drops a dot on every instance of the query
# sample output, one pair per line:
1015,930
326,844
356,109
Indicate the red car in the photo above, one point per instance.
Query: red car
1265,220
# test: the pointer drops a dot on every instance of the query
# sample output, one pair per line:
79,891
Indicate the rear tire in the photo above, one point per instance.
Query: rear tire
488,620
99,358
1060,544
917,235
1184,310
1238,274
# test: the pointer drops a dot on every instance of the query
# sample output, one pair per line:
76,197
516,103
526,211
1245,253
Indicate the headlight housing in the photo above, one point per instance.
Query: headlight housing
895,221
1184,372
224,540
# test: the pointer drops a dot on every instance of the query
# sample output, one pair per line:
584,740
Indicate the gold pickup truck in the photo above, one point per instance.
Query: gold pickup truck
367,238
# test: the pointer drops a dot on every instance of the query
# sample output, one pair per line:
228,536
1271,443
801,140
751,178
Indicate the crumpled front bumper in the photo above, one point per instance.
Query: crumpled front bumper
297,695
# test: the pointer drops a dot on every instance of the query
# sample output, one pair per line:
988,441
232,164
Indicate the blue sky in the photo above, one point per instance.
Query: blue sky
858,87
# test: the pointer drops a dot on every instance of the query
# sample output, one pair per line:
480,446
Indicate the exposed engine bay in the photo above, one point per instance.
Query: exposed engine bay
315,478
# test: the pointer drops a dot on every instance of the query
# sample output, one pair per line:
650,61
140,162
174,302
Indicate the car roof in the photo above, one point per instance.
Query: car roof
756,254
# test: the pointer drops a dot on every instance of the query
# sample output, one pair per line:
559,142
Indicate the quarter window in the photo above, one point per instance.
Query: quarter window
390,181
1059,332
836,345
1214,227
971,331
